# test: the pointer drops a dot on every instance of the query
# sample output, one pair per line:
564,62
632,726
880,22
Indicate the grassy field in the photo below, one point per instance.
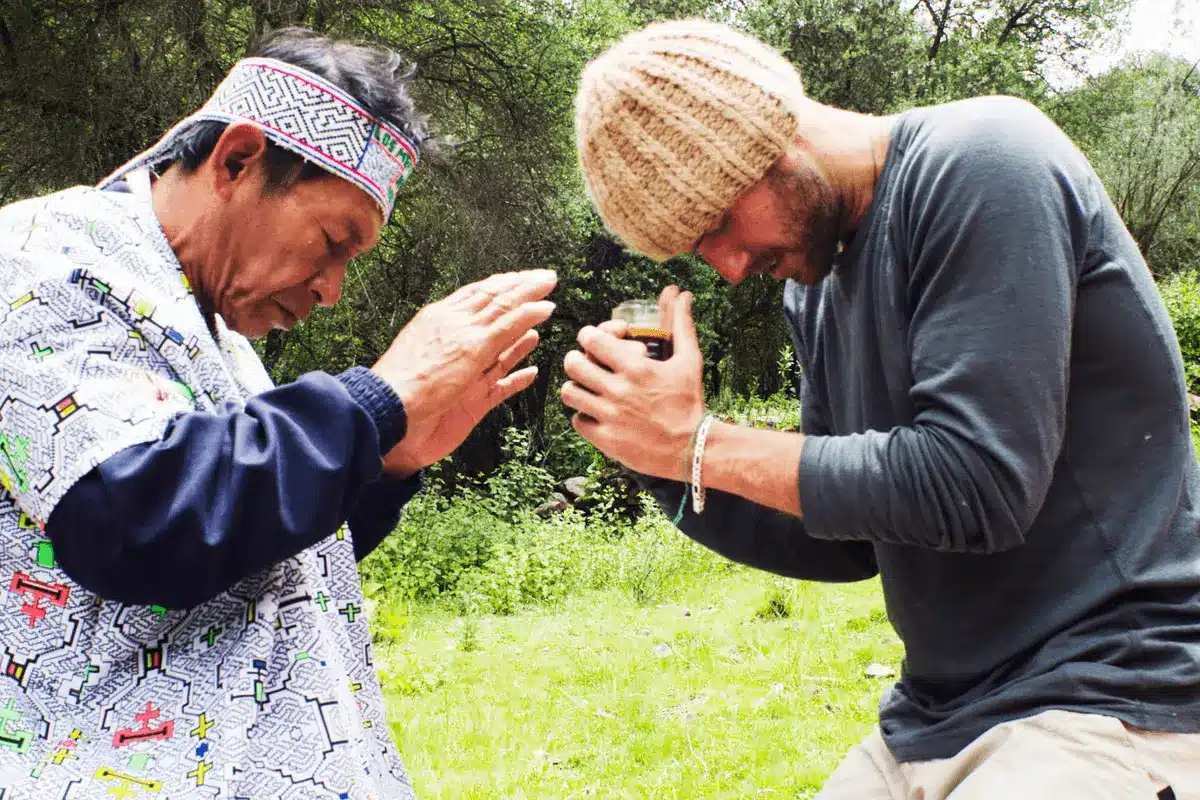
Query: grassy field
733,684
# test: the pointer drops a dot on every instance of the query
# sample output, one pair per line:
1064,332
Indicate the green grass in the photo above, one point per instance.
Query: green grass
733,683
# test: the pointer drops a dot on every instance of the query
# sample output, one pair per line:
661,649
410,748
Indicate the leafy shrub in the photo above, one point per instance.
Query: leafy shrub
436,541
612,493
463,550
565,453
534,561
1181,293
778,411
518,484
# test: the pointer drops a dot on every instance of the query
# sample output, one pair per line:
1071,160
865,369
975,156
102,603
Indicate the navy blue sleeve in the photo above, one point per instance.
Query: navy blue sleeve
378,511
225,495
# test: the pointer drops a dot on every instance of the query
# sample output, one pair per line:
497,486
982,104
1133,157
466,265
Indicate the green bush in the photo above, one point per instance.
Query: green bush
778,411
485,550
1181,293
436,541
518,484
533,561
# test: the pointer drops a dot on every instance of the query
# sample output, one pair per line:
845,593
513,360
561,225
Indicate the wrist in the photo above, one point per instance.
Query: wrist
399,463
382,403
697,471
686,448
728,453
404,389
759,465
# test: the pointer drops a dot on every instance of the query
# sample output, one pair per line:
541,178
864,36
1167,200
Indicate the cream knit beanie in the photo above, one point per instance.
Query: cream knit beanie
674,123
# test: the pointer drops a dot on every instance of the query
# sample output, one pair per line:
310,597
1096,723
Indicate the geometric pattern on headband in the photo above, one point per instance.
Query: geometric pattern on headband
306,114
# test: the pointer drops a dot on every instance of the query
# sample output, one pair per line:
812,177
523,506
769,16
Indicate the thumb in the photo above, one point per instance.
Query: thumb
683,328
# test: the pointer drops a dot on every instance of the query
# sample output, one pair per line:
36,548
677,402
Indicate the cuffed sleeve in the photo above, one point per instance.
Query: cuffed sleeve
378,511
380,401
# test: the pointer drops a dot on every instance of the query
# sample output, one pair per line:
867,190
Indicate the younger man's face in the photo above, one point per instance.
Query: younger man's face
786,225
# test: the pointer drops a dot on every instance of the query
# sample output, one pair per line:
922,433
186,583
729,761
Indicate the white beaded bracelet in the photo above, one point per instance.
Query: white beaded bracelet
698,463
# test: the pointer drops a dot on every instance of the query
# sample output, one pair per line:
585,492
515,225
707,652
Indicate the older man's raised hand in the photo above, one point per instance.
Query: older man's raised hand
451,364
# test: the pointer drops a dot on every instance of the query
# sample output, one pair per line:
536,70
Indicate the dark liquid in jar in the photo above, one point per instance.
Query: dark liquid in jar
658,342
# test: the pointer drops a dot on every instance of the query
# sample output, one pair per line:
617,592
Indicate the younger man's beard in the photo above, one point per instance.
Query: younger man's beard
814,218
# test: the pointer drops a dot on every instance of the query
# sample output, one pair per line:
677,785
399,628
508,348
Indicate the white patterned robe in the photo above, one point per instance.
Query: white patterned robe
267,691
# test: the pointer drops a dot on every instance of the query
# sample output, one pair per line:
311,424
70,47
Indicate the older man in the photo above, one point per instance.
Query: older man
994,410
182,615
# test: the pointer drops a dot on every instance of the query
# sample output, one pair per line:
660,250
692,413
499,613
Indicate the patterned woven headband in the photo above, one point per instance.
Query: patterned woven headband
308,115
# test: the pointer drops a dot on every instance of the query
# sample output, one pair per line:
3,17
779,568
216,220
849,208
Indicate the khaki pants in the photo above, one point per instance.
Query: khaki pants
1057,754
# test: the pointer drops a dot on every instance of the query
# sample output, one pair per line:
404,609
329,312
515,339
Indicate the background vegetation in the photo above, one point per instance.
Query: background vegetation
594,651
86,83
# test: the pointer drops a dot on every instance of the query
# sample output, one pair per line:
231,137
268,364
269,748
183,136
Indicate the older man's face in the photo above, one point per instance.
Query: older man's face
284,252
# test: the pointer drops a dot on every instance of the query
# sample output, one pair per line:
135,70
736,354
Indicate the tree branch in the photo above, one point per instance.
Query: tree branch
44,105
1157,215
939,35
16,178
1012,23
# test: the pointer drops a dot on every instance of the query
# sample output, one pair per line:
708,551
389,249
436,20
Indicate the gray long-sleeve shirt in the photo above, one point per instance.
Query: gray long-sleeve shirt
997,422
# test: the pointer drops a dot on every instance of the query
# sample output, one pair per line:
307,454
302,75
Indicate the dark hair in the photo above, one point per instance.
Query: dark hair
370,75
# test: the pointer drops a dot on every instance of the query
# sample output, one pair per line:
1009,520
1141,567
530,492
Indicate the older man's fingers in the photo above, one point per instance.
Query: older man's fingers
511,385
513,355
585,426
533,286
479,294
509,328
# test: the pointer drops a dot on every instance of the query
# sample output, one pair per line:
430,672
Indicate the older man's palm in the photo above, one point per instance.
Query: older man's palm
450,365
430,443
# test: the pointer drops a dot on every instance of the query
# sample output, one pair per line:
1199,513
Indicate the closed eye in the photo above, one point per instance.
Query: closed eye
335,248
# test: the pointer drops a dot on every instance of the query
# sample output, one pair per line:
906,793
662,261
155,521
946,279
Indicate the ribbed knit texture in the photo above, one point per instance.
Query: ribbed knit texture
676,121
381,402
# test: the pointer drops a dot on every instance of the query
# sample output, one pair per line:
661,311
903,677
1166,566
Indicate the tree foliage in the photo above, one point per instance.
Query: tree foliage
84,84
1140,123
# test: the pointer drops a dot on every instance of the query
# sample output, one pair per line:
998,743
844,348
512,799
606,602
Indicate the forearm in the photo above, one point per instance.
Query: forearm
915,486
920,487
759,465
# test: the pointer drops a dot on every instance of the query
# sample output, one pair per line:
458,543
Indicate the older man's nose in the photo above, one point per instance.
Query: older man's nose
329,295
327,288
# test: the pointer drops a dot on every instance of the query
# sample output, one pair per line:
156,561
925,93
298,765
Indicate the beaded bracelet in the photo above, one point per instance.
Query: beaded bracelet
687,460
698,463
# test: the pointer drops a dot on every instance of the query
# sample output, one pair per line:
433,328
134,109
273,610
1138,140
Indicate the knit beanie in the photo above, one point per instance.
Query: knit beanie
676,121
